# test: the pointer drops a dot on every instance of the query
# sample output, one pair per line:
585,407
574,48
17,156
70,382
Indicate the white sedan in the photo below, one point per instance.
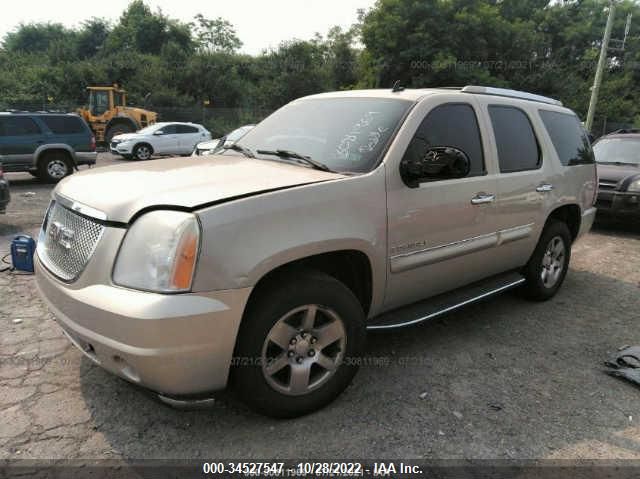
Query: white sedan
169,138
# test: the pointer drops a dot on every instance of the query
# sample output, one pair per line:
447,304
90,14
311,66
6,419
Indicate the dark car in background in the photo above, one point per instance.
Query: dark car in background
5,197
47,145
618,160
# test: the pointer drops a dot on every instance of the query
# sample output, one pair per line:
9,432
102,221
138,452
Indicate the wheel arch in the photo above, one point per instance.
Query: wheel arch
352,267
44,150
570,215
122,120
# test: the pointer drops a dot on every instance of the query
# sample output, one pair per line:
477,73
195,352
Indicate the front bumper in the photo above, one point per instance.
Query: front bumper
618,203
121,148
176,345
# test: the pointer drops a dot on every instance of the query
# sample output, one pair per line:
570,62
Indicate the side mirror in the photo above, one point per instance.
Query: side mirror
435,163
158,133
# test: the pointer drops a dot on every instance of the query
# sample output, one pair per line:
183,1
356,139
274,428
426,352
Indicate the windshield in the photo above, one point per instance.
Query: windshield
147,130
618,150
346,134
238,133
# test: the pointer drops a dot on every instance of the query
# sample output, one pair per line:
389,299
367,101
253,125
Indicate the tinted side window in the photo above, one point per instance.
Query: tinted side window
63,125
568,137
168,130
517,145
453,125
186,129
20,126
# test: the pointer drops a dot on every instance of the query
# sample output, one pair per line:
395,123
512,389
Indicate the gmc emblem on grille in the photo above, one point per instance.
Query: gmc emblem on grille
58,233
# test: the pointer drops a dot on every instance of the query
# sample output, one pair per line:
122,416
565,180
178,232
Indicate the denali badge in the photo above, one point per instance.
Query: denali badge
60,234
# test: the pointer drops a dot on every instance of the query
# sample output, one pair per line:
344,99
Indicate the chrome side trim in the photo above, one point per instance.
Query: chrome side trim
516,233
448,308
414,259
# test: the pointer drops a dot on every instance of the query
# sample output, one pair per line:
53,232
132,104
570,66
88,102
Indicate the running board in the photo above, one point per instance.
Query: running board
430,308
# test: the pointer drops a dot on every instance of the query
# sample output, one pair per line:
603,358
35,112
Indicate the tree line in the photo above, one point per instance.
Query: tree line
547,47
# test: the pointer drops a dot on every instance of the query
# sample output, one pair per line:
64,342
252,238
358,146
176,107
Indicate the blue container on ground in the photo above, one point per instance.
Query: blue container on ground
22,249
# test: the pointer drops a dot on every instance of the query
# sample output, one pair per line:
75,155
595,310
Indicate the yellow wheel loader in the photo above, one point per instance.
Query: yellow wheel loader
108,114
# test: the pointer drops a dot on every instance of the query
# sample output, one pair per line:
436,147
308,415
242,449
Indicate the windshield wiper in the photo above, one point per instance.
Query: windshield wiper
242,149
297,156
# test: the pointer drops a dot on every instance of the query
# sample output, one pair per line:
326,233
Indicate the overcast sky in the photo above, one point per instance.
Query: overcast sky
260,23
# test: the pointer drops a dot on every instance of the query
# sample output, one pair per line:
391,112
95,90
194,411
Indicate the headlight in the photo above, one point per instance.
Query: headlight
159,252
634,186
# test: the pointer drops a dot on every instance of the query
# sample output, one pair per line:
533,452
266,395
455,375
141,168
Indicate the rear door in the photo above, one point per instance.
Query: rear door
188,137
20,136
441,231
67,130
525,188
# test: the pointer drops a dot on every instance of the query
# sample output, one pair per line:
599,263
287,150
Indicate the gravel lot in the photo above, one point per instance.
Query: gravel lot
502,379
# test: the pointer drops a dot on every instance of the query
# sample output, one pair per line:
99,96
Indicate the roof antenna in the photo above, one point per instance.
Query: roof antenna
396,87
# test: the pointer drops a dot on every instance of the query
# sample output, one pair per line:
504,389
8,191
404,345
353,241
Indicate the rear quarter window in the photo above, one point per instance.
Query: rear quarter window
569,138
64,125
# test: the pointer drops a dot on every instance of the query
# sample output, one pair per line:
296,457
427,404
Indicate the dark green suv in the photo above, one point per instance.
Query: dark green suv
47,145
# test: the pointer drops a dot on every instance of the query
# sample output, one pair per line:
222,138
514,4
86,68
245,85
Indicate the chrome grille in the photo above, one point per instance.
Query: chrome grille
67,241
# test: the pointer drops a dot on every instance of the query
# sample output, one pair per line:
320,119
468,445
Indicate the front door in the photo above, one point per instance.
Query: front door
166,140
442,231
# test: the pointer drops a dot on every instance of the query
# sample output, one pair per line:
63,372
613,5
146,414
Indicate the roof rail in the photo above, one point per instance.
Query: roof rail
625,130
487,90
38,112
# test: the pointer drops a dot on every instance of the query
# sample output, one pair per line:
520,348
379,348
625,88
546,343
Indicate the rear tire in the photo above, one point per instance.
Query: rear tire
548,266
54,166
298,345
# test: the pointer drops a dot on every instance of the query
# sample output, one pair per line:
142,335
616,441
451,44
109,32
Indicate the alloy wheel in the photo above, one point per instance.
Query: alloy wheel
57,169
553,262
303,349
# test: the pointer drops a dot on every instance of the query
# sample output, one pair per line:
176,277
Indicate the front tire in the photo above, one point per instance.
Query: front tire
298,345
549,263
142,152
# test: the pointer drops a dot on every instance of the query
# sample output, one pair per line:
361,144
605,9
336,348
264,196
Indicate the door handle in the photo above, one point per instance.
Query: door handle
482,198
544,188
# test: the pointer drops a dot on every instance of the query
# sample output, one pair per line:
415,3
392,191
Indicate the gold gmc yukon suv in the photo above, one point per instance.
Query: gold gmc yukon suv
262,267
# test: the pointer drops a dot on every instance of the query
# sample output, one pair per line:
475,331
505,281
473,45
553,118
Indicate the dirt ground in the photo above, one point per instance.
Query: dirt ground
502,379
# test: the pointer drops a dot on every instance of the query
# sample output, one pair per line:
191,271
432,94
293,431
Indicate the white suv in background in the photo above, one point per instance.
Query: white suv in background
159,139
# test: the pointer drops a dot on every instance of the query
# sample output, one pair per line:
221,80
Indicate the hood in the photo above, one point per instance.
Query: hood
121,191
208,145
126,136
616,173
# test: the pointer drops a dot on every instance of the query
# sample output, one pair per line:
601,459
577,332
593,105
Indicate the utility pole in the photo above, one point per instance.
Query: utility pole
601,64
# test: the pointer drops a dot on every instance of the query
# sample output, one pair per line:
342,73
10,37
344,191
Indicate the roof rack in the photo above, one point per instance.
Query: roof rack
487,90
37,112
